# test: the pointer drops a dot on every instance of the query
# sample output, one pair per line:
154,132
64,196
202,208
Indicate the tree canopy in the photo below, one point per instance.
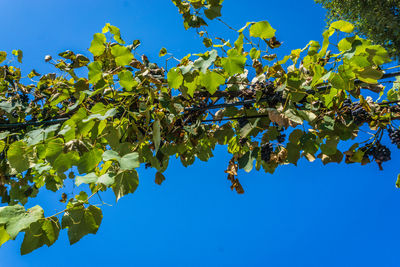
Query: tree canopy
124,111
378,20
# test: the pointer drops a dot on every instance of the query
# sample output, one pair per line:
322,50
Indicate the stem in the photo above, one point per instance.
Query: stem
75,205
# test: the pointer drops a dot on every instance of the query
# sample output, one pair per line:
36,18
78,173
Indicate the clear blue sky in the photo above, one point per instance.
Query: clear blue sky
310,215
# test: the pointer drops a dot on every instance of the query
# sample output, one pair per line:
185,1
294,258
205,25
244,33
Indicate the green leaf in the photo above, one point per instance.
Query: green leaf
110,113
19,54
398,181
89,160
53,148
95,72
114,31
15,219
43,232
3,56
32,74
111,155
4,134
325,44
246,162
4,236
378,54
81,221
65,161
330,146
211,81
125,183
156,134
163,52
234,63
293,153
213,12
393,95
36,136
175,78
207,42
314,47
87,179
254,53
262,30
369,75
8,106
343,26
107,179
17,156
291,114
130,161
97,46
205,60
126,80
122,54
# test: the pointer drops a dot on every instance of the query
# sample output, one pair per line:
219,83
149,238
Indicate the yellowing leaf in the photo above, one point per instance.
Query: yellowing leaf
234,63
114,31
3,56
175,78
211,81
343,26
262,30
162,52
122,54
4,236
97,46
95,72
126,80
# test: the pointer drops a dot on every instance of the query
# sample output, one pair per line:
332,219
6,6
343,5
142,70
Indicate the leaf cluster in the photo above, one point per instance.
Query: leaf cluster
98,129
378,20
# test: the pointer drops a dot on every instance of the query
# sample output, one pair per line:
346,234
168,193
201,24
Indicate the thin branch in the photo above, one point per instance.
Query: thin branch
31,123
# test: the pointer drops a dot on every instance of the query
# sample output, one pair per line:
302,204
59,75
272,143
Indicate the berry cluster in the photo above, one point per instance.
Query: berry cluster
266,150
268,88
262,86
394,136
347,103
359,114
379,152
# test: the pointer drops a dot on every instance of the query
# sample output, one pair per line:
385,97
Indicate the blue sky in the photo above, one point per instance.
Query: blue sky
310,215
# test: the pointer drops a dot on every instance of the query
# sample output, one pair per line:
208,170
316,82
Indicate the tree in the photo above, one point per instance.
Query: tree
97,130
378,20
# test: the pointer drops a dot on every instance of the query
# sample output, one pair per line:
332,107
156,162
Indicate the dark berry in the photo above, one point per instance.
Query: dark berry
379,152
394,136
266,150
346,103
359,114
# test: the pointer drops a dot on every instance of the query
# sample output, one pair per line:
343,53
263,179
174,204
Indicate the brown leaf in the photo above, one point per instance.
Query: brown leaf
63,198
159,178
278,118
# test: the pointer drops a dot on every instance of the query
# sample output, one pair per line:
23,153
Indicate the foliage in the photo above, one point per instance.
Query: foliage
378,20
97,129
